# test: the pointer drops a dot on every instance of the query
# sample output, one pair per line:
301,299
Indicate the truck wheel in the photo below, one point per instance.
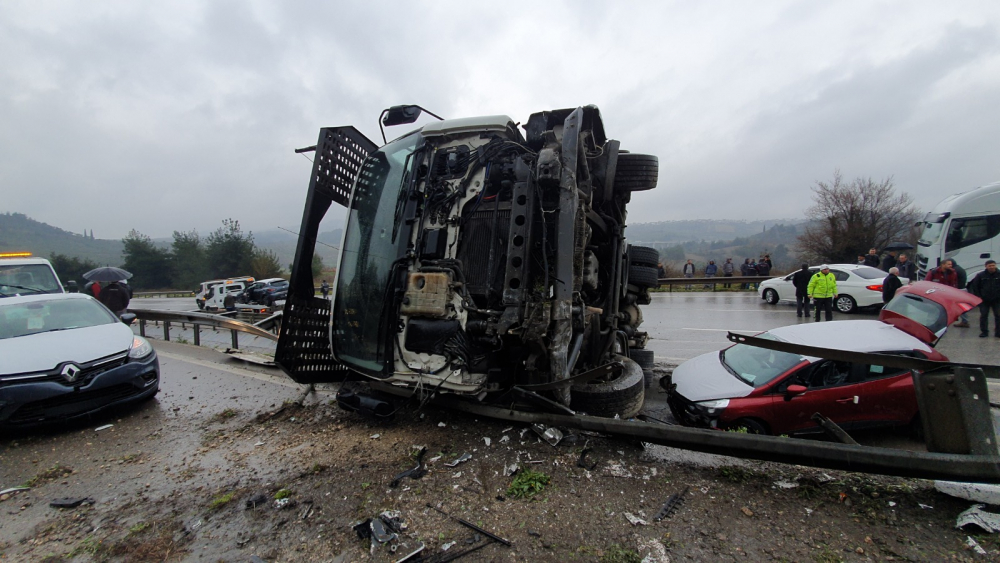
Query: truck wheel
643,256
643,276
636,172
642,357
621,396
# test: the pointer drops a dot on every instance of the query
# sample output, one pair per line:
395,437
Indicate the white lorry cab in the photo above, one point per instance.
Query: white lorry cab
965,227
206,286
20,274
217,293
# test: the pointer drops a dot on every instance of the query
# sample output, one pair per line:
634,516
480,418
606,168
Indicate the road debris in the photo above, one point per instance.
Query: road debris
635,520
976,492
448,546
747,511
70,502
257,500
470,525
7,493
673,503
974,545
582,461
976,516
442,425
786,484
925,506
460,459
552,435
487,440
412,556
105,427
415,472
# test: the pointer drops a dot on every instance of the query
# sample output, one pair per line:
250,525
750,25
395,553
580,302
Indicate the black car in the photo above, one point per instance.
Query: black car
65,356
265,292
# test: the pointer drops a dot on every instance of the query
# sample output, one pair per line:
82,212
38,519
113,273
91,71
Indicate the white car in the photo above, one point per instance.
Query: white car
858,286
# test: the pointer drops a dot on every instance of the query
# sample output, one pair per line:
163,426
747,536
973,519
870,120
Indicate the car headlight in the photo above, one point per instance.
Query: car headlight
712,406
140,348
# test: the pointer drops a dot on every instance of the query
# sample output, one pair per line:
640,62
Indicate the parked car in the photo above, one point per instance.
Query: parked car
771,392
265,292
859,287
66,355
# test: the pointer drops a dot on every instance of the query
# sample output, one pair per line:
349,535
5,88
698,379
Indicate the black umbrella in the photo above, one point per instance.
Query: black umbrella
897,246
107,274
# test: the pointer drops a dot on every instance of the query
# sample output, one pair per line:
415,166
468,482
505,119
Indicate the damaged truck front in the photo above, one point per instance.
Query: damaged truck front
478,261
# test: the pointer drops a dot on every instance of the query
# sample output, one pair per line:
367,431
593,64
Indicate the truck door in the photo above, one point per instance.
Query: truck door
970,241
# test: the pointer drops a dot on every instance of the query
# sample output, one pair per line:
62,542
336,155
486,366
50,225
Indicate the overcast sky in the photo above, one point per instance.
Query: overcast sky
163,116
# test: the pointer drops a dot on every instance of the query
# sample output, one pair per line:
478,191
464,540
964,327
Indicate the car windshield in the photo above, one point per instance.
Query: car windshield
371,246
758,366
923,311
21,319
27,279
870,273
931,233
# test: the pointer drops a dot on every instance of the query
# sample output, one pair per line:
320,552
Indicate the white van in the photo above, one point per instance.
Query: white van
22,275
964,227
206,286
217,293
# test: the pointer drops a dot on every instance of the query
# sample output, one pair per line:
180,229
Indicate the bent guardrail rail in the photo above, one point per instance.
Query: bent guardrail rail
198,320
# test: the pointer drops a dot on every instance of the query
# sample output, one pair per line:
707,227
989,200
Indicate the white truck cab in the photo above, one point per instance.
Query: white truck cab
206,287
217,293
965,227
20,274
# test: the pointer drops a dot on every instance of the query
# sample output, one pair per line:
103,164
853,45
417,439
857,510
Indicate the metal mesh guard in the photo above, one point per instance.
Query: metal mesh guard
338,159
304,346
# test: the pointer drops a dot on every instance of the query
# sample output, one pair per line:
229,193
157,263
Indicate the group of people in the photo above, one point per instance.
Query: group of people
115,295
819,289
986,286
749,267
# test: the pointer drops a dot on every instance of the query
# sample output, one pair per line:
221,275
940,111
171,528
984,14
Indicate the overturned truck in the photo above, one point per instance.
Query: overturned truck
478,261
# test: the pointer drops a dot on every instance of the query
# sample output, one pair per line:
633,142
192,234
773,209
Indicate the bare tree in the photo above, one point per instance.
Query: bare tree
849,218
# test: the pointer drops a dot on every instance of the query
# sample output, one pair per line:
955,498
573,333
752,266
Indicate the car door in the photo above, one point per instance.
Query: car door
832,389
970,239
887,395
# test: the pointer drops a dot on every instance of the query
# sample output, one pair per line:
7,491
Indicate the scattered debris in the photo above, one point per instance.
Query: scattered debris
460,459
618,470
105,427
673,503
786,484
7,493
925,506
448,546
375,436
656,552
551,435
504,439
412,556
487,440
442,425
533,533
282,503
258,444
471,526
976,492
415,472
974,545
70,502
635,520
582,461
976,516
747,511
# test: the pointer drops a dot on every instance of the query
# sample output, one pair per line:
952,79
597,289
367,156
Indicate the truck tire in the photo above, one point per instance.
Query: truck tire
643,256
621,396
643,276
636,172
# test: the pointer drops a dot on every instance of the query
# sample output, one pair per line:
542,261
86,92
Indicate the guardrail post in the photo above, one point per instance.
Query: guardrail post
142,328
166,331
236,340
197,334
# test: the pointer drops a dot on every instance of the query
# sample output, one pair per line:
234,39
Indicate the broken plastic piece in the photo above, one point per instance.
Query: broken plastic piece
976,516
461,459
635,520
411,556
582,462
105,427
70,502
551,435
974,545
447,546
675,501
471,526
414,473
379,531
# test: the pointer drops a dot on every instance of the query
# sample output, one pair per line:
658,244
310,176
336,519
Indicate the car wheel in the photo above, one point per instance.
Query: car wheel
200,304
846,304
636,172
643,256
752,425
771,296
642,276
621,396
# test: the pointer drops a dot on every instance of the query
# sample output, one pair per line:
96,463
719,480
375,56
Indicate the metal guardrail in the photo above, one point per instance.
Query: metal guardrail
164,293
198,320
700,283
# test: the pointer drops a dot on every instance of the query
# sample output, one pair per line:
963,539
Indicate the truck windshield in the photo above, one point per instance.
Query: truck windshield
930,234
27,279
369,251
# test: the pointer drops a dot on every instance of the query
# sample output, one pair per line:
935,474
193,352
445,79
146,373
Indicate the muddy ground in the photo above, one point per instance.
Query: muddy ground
287,483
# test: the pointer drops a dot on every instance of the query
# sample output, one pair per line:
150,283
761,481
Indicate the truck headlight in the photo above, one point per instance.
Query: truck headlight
140,348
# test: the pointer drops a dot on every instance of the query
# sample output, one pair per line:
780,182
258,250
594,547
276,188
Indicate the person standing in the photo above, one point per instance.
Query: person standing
764,267
324,288
861,260
710,272
93,289
727,270
752,271
115,297
871,259
890,284
800,280
822,290
745,271
888,262
986,286
688,272
963,319
943,274
906,268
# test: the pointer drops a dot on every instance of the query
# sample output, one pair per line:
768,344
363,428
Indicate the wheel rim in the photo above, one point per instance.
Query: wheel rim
770,296
844,304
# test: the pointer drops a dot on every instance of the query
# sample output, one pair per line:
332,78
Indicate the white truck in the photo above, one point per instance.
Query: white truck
20,274
213,293
965,227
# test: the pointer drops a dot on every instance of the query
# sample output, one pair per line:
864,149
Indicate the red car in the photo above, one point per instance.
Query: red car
770,392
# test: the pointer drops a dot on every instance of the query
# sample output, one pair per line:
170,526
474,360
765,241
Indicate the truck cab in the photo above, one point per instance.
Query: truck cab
965,227
21,274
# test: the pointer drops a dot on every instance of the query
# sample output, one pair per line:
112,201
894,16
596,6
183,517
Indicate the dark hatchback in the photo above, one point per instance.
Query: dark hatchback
265,292
66,356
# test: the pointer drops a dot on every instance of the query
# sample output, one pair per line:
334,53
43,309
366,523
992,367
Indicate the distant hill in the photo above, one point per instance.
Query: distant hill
18,232
676,232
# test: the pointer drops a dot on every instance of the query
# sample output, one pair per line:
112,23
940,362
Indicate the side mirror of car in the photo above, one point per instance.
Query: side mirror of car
794,391
128,318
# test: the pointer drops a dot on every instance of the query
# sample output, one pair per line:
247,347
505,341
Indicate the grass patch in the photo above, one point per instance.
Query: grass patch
282,493
618,554
527,484
738,474
138,528
221,500
225,415
51,474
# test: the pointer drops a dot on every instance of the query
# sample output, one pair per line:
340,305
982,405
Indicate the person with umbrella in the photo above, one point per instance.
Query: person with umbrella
114,296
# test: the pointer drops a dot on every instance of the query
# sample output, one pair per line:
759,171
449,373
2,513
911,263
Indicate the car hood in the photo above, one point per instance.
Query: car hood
44,351
704,378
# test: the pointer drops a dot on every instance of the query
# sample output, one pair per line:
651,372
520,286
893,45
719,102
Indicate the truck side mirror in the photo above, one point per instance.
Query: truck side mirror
398,115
